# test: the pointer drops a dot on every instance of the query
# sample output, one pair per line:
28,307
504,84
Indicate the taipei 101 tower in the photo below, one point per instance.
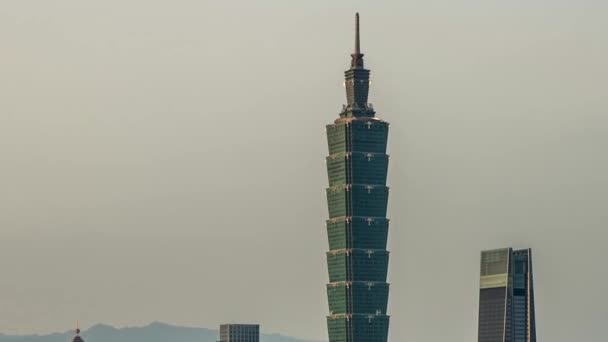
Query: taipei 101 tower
357,227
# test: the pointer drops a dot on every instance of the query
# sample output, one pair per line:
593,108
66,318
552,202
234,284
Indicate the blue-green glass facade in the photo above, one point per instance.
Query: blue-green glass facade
506,296
357,227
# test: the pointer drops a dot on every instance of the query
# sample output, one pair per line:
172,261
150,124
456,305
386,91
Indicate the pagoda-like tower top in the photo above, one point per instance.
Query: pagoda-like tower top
356,82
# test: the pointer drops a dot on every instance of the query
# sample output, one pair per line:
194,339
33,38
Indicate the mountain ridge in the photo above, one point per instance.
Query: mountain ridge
153,332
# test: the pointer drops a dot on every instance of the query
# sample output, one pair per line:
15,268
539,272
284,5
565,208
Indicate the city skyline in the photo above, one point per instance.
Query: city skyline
145,144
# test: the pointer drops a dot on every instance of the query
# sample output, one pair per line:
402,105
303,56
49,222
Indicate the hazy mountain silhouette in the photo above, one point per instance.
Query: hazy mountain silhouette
155,332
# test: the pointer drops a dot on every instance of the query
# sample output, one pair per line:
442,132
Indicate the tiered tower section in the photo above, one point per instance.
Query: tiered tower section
357,228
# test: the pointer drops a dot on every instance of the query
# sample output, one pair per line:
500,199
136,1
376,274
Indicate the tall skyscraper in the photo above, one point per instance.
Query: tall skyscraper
77,337
239,333
506,296
357,228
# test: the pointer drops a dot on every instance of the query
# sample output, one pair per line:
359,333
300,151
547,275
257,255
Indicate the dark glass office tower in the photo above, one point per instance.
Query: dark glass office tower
357,227
506,296
239,333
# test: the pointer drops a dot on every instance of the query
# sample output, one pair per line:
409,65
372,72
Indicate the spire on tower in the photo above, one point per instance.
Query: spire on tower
357,56
357,81
77,337
357,41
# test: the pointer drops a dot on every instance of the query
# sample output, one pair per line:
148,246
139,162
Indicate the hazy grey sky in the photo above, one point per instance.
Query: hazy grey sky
164,160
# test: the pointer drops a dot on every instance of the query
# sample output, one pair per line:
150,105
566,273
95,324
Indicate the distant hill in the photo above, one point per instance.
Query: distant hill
155,332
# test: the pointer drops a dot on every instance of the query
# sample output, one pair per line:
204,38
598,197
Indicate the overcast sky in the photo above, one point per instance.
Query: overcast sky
164,160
